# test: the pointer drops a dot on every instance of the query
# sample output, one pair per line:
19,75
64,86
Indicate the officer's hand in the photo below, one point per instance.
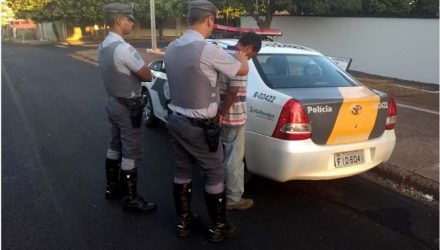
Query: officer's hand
241,56
243,59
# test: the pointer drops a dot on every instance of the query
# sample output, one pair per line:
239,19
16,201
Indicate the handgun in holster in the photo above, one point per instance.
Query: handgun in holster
212,134
136,111
135,106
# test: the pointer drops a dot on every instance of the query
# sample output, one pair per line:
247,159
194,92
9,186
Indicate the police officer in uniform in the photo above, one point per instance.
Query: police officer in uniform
192,69
122,70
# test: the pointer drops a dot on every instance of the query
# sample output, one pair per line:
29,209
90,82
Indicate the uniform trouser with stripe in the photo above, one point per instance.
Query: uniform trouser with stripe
125,140
190,148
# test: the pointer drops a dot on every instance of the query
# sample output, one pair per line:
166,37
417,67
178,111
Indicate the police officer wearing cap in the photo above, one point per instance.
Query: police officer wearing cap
192,69
122,70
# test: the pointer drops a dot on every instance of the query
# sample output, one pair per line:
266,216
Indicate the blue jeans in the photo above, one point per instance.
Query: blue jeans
233,144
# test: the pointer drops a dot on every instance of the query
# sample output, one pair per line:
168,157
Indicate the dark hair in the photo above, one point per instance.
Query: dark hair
110,19
196,16
251,38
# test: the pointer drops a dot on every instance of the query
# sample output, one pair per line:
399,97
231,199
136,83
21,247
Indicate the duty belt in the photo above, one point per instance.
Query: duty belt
211,129
198,122
126,101
135,106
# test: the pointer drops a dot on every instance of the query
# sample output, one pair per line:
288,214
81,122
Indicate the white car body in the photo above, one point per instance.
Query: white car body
314,158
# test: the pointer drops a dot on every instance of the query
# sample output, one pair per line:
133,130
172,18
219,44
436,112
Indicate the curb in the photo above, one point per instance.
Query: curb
29,42
84,59
413,179
86,56
404,178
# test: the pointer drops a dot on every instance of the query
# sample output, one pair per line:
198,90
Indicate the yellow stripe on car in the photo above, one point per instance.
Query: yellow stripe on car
356,117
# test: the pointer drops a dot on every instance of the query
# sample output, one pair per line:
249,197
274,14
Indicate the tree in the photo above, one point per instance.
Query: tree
261,10
345,8
90,11
19,6
424,8
167,9
390,8
230,14
7,14
75,11
26,9
51,10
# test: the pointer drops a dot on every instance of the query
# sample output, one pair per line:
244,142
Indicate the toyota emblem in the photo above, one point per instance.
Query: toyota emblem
356,109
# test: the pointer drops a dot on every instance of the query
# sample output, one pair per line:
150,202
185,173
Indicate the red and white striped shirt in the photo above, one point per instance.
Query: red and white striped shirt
236,115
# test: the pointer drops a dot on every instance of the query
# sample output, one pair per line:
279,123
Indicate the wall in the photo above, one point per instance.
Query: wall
177,28
45,31
401,48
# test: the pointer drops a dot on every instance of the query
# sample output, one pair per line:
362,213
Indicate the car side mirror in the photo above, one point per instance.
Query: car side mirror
157,66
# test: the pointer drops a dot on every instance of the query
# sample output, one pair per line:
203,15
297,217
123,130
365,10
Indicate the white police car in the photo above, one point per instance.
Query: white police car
307,118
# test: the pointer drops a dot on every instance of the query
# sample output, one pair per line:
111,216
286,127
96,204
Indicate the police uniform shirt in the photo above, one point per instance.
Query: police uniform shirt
212,60
125,57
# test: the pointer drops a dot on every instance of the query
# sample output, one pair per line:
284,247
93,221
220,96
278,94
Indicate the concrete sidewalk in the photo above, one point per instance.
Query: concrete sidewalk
401,172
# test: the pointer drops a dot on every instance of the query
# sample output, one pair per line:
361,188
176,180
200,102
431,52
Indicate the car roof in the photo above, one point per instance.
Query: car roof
269,47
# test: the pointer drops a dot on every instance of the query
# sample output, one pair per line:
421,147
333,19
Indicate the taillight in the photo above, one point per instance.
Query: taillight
392,114
293,123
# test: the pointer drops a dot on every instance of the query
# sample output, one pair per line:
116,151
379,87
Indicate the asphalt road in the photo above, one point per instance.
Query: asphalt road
54,136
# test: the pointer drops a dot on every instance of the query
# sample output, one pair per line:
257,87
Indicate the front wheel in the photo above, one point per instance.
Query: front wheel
149,117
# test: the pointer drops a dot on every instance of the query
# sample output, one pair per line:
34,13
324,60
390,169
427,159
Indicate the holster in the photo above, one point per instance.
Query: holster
212,133
136,107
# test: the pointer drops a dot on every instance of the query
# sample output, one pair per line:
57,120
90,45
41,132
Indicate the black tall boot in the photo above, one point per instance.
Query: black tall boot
220,229
132,200
113,188
182,201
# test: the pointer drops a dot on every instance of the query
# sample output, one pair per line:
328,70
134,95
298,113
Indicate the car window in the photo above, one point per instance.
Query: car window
300,71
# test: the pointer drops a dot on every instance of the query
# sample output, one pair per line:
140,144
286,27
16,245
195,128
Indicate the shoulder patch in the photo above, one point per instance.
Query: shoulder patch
131,49
137,56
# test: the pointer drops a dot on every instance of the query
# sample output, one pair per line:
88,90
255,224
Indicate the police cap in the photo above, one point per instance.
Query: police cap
202,5
119,8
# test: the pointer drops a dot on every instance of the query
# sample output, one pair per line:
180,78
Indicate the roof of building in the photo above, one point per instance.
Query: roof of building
22,24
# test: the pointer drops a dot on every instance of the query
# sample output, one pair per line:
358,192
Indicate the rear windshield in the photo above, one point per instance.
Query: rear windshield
300,71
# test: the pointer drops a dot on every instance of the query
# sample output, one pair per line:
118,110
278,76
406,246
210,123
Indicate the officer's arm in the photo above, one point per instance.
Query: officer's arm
144,73
243,59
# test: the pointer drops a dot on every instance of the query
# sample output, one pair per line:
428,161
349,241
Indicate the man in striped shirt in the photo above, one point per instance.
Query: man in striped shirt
232,113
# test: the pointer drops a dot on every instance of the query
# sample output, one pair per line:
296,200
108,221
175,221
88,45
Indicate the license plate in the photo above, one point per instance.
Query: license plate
347,159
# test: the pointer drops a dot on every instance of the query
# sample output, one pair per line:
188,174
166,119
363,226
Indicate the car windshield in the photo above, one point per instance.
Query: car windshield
300,71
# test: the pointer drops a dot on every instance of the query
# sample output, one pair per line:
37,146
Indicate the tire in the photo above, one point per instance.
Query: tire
150,119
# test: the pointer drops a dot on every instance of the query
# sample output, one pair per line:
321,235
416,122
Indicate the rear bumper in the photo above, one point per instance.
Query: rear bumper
281,160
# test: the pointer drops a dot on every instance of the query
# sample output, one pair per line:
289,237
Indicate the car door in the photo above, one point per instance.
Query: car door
263,103
159,90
